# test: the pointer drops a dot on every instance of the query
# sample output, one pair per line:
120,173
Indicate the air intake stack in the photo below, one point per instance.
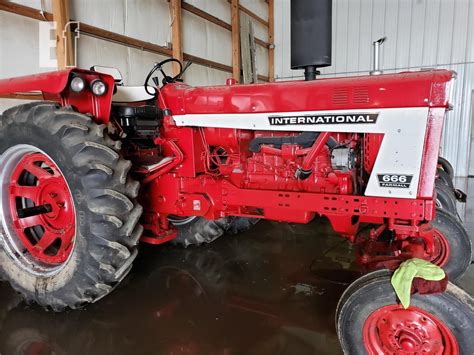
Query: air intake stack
311,35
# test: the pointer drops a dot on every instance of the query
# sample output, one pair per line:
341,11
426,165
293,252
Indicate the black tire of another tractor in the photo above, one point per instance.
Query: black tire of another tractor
200,230
445,198
444,178
459,241
454,307
242,224
447,167
107,214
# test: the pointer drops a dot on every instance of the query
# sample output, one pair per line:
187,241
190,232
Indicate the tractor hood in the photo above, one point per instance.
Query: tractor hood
409,89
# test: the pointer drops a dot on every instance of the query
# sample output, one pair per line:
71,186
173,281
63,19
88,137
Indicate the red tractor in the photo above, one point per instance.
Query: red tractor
97,167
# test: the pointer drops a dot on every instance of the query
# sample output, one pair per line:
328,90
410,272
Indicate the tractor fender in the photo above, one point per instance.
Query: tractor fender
54,86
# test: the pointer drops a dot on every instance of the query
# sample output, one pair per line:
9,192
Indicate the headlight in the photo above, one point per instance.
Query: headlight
98,87
77,84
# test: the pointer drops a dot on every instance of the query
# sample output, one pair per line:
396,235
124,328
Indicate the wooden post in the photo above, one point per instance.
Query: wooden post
271,40
235,22
64,52
176,34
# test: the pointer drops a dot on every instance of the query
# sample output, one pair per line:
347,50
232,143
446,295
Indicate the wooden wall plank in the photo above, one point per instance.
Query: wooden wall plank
63,34
235,22
176,33
271,39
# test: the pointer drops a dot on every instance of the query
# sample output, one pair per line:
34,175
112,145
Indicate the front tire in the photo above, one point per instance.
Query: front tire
369,319
453,248
63,169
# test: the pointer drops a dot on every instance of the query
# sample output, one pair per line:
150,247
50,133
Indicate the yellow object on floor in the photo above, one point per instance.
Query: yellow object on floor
403,277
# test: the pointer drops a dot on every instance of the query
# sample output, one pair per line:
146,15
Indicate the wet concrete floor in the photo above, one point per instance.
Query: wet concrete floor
272,290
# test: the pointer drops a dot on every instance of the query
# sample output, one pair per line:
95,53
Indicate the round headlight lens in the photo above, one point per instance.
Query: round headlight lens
77,84
98,87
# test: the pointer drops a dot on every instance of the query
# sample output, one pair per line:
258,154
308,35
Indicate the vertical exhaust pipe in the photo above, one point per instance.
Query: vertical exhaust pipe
376,70
311,35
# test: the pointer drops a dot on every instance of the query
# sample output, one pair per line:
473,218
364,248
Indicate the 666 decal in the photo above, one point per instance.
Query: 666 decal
400,181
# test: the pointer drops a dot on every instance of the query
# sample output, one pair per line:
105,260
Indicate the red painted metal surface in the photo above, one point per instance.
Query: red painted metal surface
430,244
411,89
431,152
54,87
42,209
52,82
394,330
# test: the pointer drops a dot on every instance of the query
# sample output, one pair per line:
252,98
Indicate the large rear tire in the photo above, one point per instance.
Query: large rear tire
68,210
369,320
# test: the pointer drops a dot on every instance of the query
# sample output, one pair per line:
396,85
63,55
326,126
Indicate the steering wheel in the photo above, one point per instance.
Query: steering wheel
166,78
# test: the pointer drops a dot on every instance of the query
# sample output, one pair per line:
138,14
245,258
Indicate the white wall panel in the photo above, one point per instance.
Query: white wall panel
93,51
36,4
107,14
421,34
19,50
205,39
148,20
259,7
218,8
201,76
262,60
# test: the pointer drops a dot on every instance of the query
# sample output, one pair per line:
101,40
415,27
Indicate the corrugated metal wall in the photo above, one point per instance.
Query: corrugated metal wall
421,34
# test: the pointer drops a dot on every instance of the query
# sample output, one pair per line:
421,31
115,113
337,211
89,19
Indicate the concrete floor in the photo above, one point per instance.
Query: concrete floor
272,290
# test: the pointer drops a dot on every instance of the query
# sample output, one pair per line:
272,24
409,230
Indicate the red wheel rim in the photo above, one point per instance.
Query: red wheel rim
42,209
395,330
442,250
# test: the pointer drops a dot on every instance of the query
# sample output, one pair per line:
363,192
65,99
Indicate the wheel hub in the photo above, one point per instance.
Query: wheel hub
41,210
395,330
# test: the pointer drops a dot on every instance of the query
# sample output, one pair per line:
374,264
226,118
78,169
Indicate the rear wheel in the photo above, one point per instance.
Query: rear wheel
446,166
445,198
369,320
444,178
68,212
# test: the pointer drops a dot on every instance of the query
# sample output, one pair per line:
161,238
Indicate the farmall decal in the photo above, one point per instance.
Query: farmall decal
395,180
353,118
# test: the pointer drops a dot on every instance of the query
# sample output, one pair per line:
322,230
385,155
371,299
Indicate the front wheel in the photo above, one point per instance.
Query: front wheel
68,210
453,249
370,321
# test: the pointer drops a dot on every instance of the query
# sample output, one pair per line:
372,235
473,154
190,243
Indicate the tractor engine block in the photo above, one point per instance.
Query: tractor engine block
273,166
